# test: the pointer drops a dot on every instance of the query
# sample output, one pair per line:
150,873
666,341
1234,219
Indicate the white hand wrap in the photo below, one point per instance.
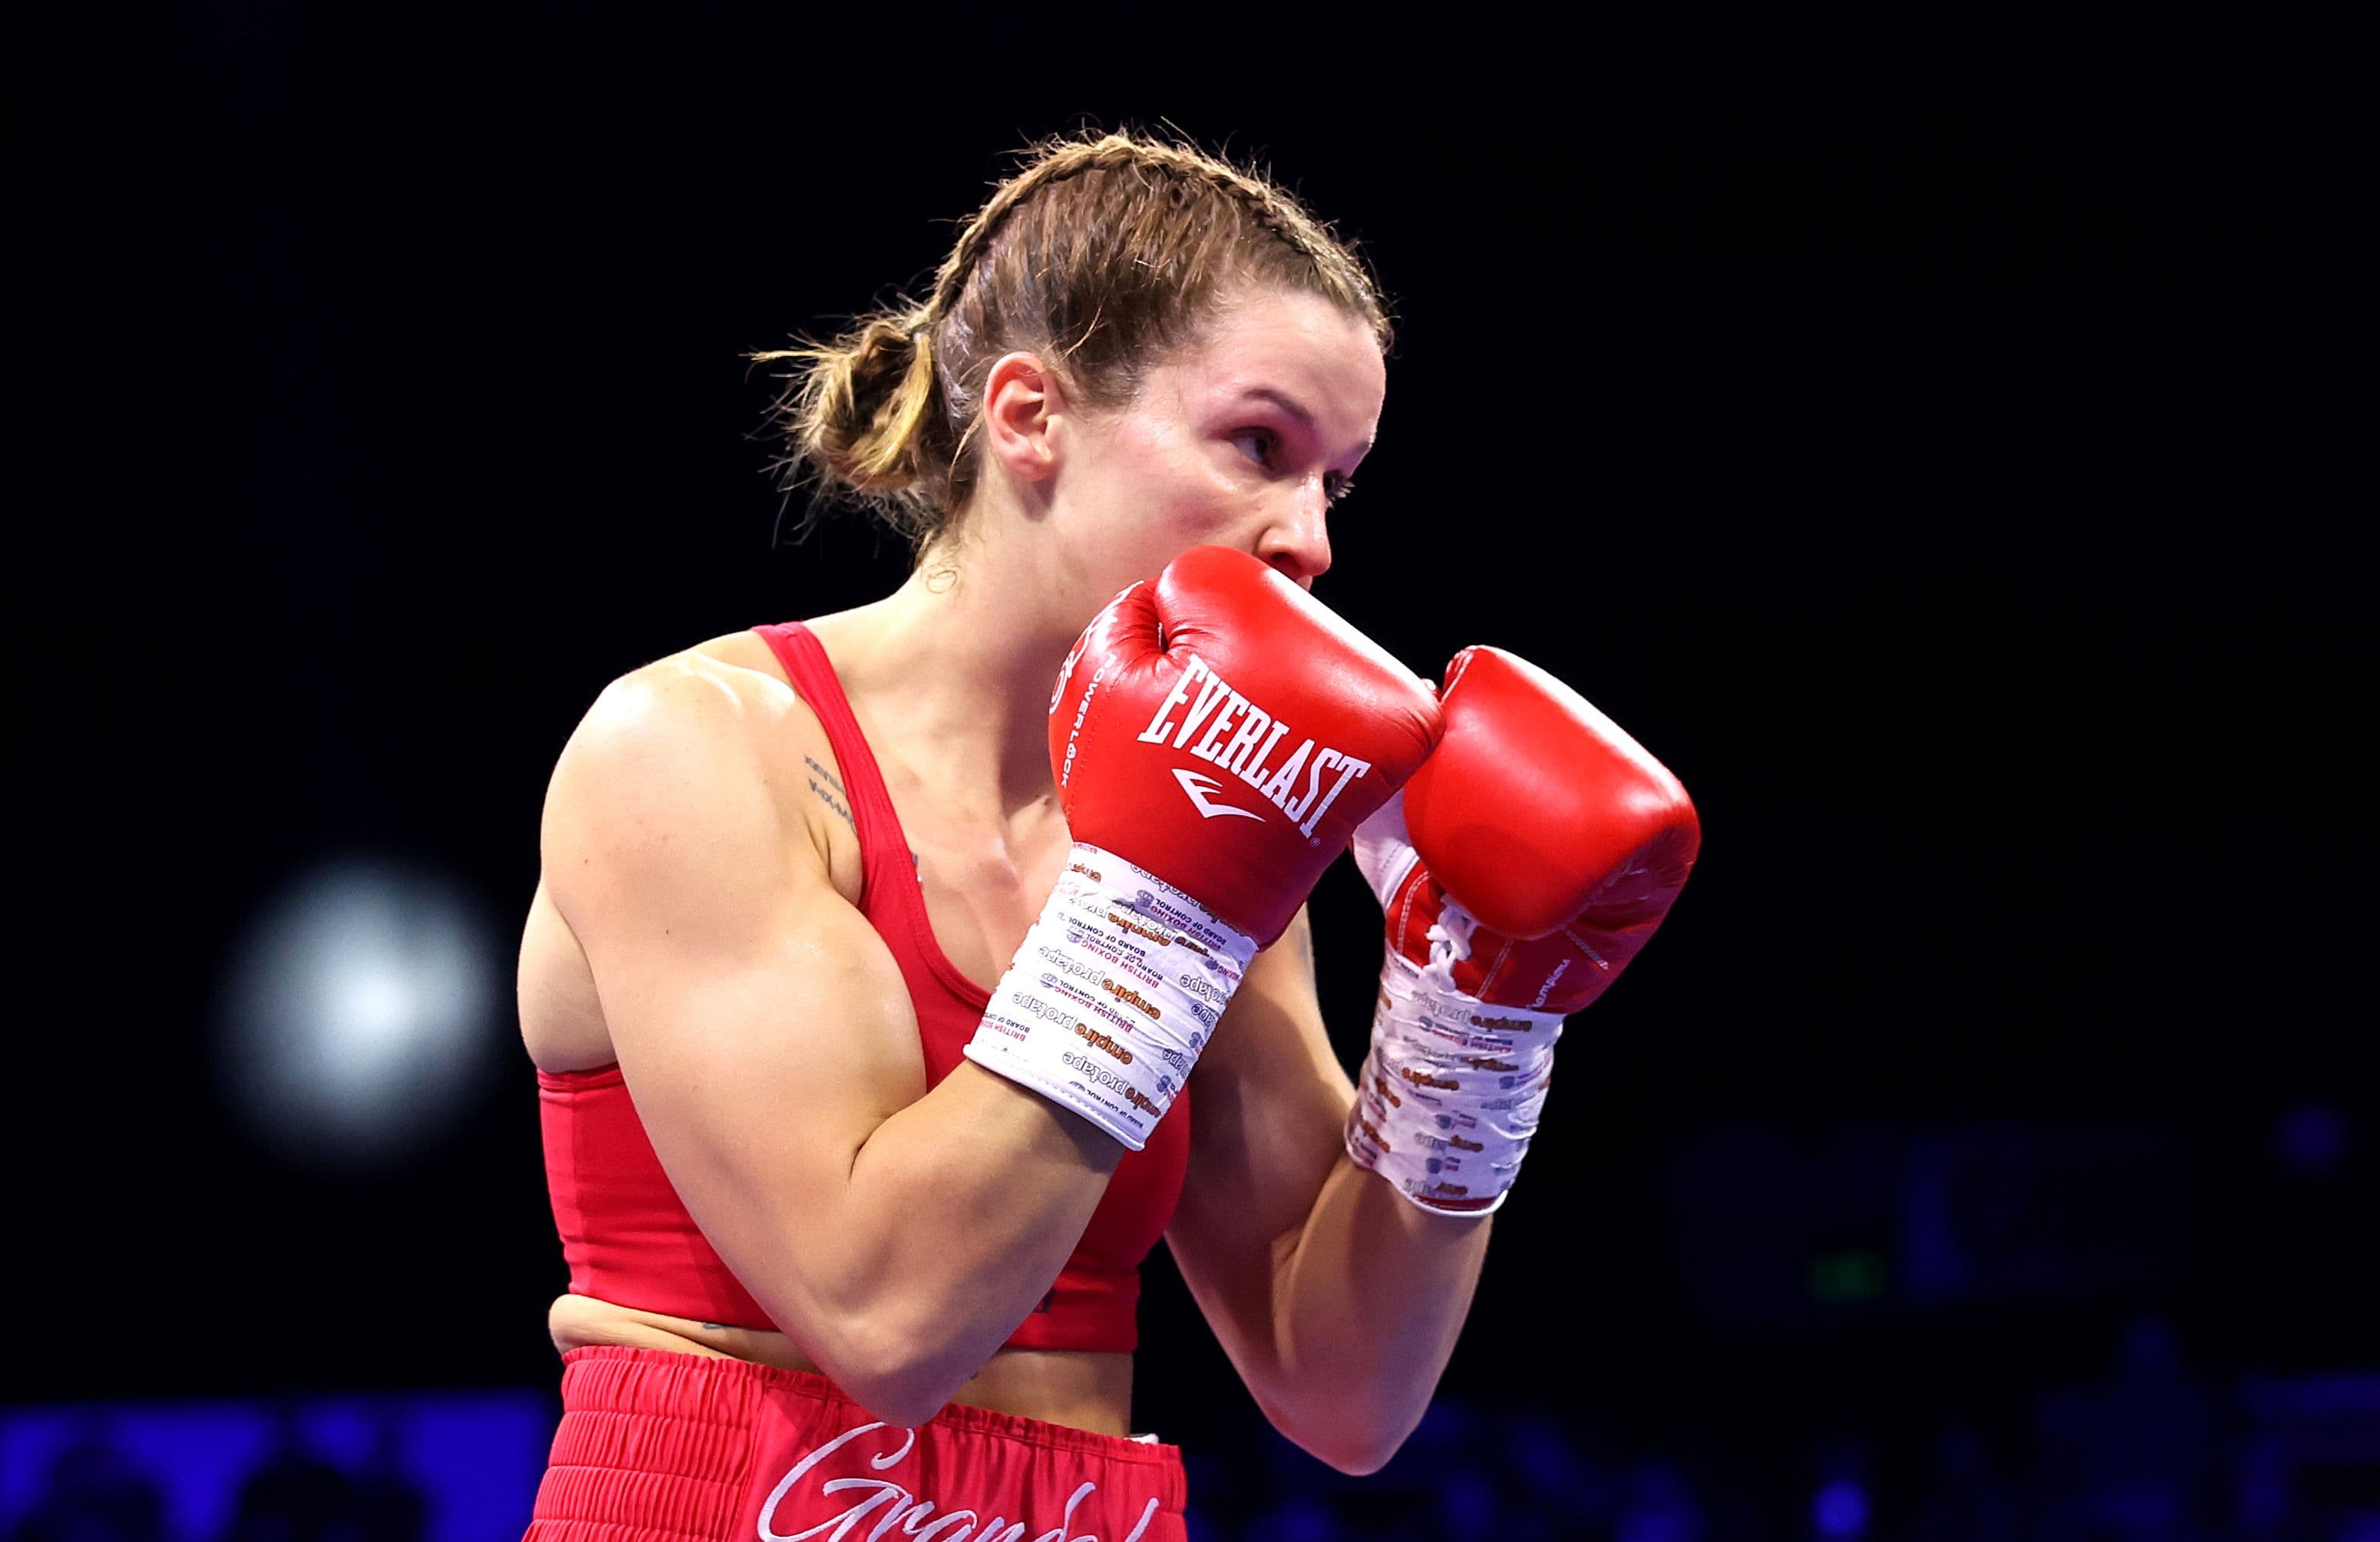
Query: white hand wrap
1106,1006
1450,1094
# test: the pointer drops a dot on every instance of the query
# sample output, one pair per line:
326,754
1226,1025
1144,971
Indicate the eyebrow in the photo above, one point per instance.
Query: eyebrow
1291,405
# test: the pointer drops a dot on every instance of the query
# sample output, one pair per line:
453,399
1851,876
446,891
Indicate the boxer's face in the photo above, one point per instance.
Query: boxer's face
1244,438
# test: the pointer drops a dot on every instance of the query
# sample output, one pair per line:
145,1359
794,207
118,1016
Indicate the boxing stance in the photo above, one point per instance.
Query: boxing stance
895,979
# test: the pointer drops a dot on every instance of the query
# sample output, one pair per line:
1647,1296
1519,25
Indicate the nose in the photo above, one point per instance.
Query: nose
1297,543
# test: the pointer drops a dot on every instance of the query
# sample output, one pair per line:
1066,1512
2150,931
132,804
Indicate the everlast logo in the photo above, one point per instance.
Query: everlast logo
1502,1024
1082,710
1461,1145
1423,1078
1380,1084
1092,873
1240,736
1130,998
1488,1062
1373,1131
1103,1044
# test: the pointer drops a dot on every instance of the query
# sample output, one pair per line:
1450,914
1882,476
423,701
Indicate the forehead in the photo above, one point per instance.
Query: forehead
1299,344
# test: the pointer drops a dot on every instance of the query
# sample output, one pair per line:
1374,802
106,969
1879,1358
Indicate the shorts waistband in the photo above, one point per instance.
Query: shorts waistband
716,1391
661,1446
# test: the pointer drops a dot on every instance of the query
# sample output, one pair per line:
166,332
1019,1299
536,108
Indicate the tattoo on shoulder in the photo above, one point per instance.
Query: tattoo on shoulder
823,783
825,775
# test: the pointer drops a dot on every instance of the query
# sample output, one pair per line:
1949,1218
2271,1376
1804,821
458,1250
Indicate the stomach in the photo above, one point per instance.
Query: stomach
1080,1389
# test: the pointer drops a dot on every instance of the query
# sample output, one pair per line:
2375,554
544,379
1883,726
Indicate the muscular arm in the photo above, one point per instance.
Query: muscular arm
897,1235
1338,1300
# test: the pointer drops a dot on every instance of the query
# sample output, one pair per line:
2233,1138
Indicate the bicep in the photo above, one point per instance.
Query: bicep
1270,1104
756,1016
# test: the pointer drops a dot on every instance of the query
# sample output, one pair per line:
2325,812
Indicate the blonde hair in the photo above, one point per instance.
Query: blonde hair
1101,255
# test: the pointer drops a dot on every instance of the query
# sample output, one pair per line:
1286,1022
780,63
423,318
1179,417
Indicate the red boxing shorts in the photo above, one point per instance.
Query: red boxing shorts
671,1447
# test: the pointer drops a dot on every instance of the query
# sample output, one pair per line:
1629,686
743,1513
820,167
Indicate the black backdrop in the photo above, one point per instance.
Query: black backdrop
1940,455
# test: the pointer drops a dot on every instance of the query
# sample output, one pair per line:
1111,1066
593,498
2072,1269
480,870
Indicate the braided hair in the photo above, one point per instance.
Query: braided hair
1102,255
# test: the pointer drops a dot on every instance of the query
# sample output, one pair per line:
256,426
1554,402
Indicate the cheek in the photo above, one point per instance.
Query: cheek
1166,478
1163,484
1193,471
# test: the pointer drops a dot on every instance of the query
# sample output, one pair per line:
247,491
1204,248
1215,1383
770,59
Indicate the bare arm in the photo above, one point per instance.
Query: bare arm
897,1235
1338,1300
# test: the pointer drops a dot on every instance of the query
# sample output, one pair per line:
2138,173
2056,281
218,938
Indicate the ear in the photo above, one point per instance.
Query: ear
1022,402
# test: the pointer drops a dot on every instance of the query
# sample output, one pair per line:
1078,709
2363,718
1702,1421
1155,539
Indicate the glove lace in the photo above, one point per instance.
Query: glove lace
1450,942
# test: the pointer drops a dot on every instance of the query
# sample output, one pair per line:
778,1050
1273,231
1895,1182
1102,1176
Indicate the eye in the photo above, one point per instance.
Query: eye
1337,487
1258,445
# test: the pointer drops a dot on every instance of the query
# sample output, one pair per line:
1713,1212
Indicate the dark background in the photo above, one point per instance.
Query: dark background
1940,450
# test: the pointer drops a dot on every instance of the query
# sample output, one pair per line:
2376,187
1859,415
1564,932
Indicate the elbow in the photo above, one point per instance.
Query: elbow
1358,1458
893,1374
905,1404
1347,1440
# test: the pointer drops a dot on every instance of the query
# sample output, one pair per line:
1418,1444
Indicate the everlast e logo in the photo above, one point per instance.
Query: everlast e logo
1240,736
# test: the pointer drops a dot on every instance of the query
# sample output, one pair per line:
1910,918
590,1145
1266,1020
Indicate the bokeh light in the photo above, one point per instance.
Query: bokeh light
359,1013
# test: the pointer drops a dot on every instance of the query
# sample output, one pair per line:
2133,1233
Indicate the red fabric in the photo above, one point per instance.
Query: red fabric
657,1446
628,1239
625,1233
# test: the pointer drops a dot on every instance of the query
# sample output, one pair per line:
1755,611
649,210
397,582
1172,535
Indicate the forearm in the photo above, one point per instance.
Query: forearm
960,1212
1366,1309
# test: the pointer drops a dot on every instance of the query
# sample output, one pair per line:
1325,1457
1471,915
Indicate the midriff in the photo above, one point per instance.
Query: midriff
1081,1389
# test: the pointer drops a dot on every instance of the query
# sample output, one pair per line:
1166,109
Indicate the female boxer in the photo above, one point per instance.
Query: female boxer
866,977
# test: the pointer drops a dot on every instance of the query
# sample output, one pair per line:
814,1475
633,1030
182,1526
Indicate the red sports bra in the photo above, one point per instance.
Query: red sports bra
628,1239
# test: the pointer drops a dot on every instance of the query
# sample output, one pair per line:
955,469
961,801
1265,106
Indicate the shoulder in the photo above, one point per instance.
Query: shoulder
691,714
696,758
745,650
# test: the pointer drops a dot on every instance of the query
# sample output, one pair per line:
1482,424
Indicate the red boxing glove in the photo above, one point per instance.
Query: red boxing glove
1520,870
1223,730
1217,736
1561,837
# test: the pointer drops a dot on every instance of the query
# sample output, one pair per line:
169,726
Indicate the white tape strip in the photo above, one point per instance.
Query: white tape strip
1106,1006
1449,1096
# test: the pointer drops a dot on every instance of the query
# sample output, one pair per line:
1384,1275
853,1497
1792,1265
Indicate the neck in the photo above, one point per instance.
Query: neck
957,665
